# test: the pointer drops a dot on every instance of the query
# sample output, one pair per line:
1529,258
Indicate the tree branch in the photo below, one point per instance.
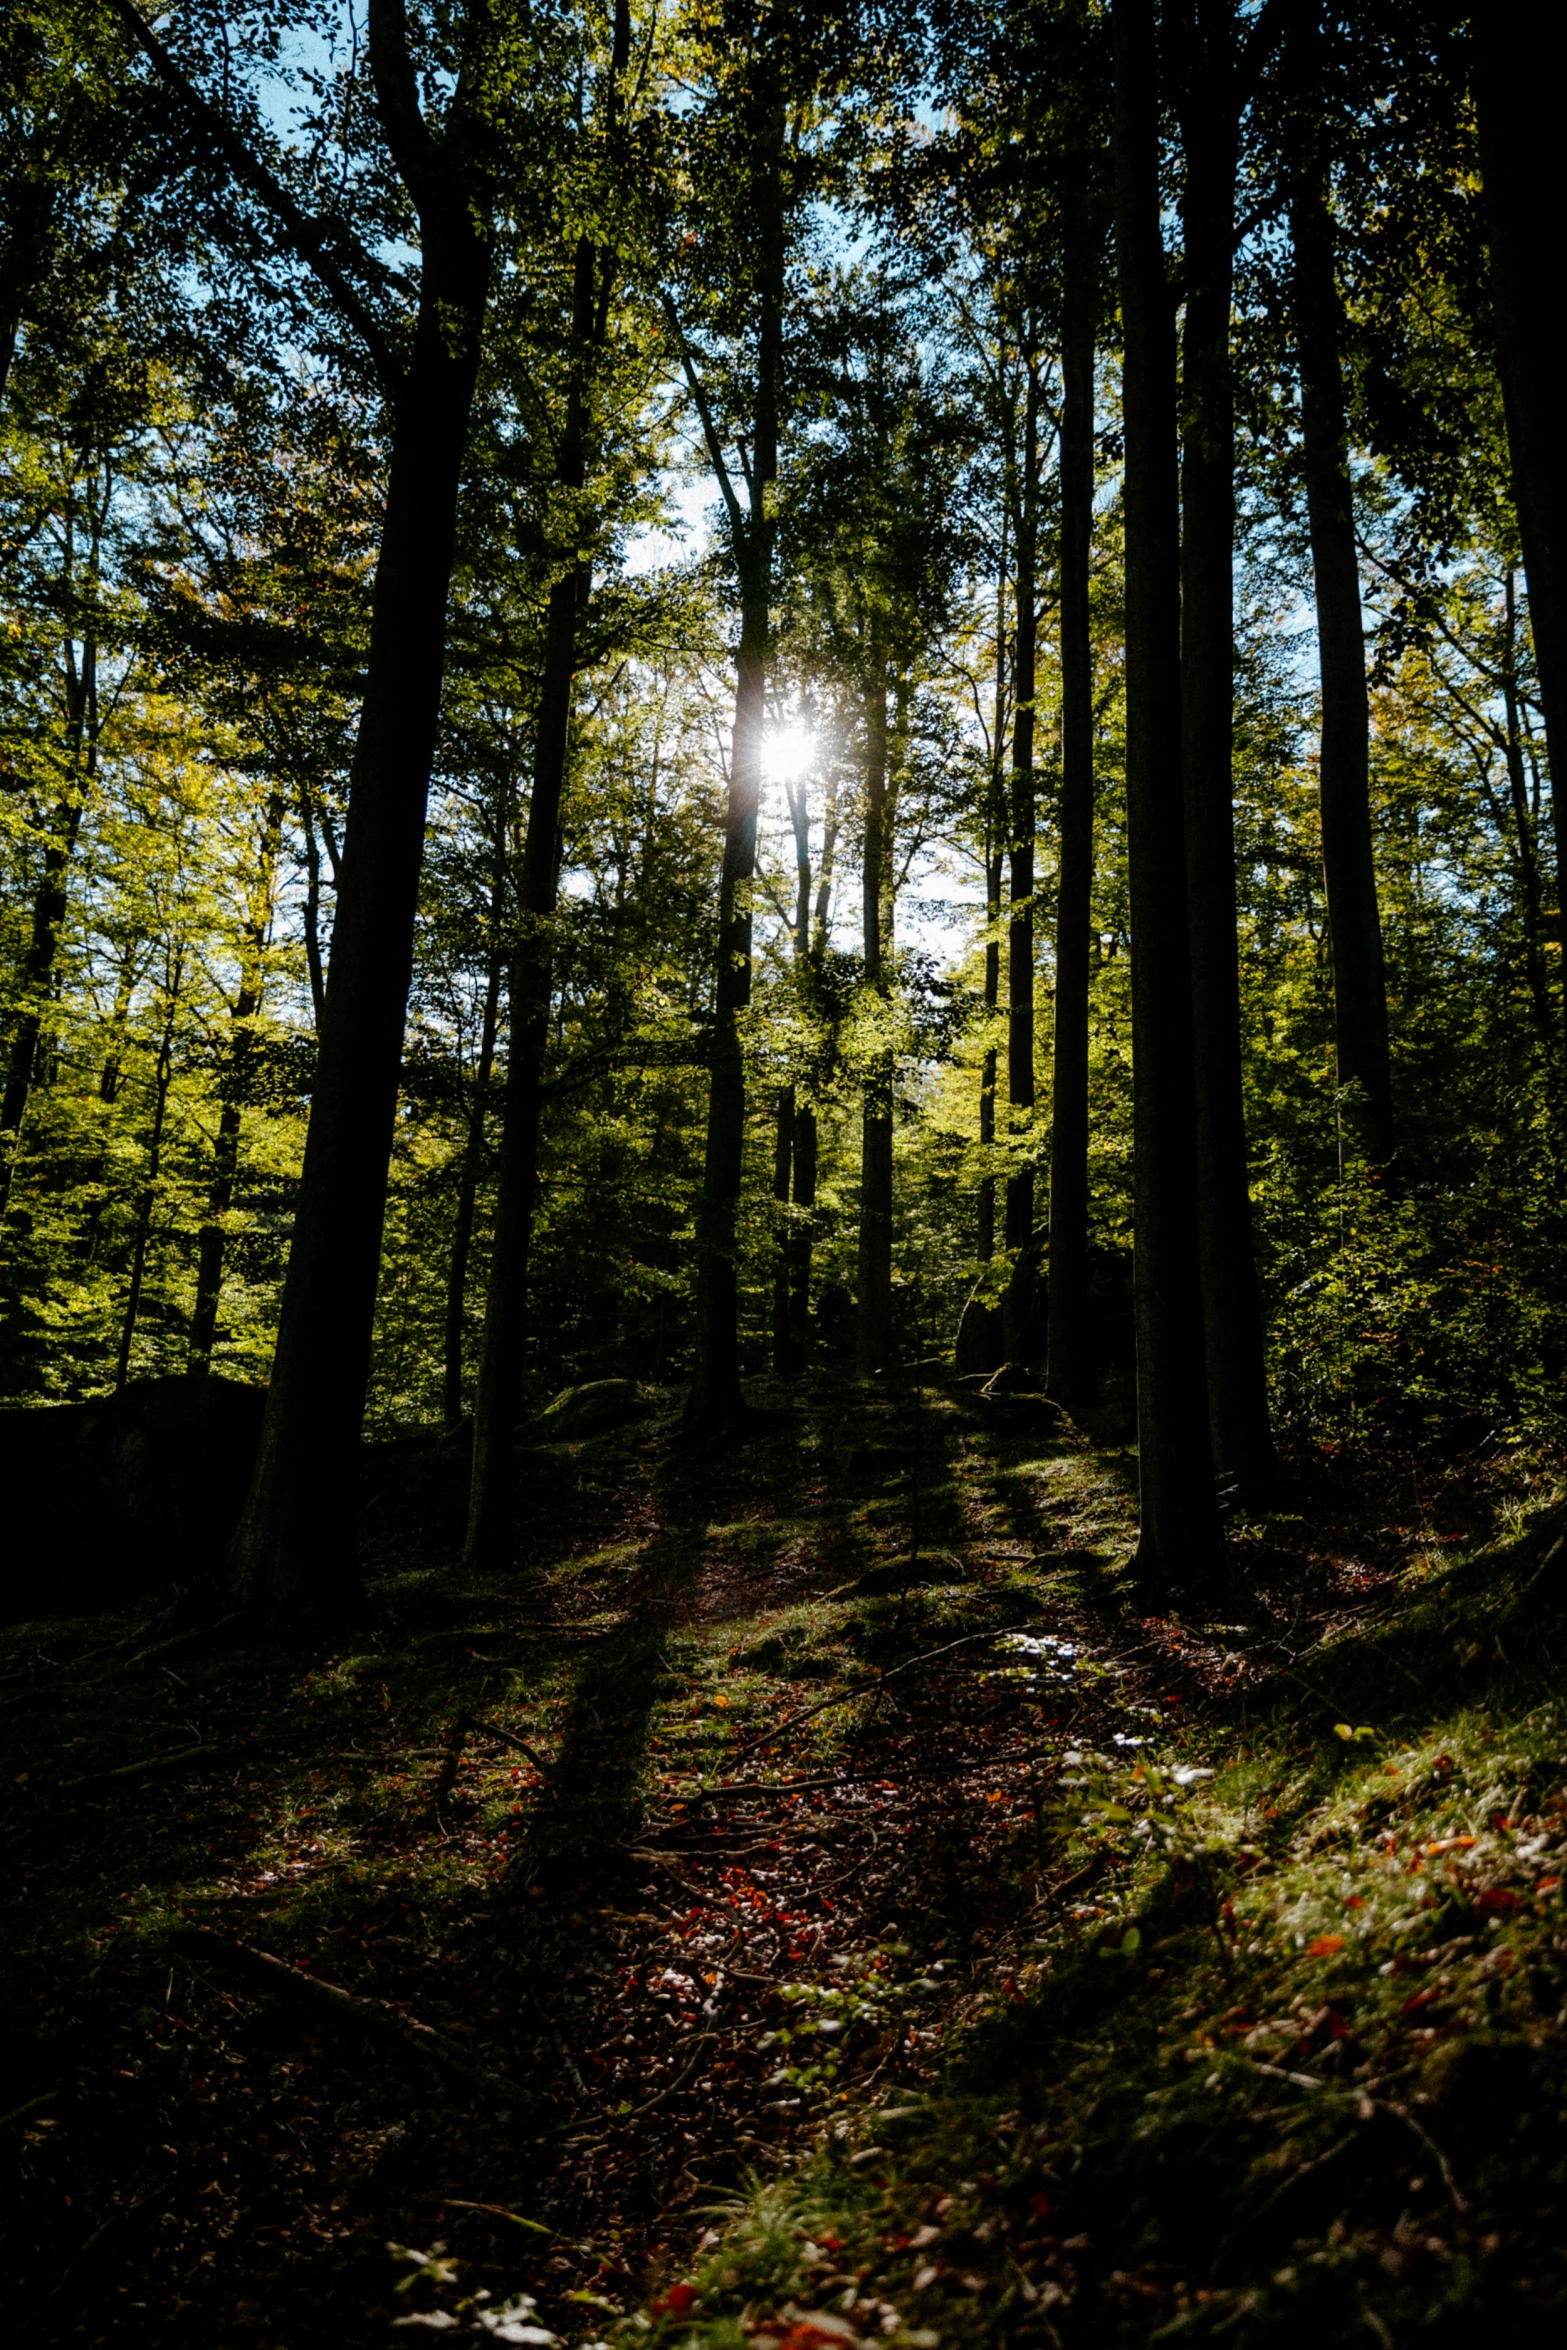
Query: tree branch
740,521
305,237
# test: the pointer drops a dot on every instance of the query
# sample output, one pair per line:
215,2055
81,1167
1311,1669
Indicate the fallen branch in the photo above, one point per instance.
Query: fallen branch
869,1688
355,2014
135,1770
521,1746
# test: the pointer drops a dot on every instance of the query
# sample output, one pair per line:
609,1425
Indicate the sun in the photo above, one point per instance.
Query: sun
787,753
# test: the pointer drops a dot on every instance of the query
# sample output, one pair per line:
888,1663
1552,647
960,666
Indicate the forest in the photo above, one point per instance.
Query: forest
783,1089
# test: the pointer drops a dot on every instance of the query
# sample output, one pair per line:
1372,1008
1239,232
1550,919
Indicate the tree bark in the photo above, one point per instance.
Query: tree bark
163,1077
503,1367
1017,1305
1517,109
294,1550
212,1243
1068,1373
1348,864
1179,1540
468,1180
715,1401
1232,1305
873,1327
50,900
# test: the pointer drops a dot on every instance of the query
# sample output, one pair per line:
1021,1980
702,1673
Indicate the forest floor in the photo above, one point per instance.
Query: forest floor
844,1918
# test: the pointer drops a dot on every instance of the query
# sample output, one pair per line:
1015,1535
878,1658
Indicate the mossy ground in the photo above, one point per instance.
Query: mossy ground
868,1975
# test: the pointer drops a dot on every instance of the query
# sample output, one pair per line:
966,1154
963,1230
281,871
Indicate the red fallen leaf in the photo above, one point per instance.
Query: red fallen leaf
1325,1946
830,2243
679,2301
1548,1885
1496,1898
1354,1901
1419,1999
1337,2028
1039,2205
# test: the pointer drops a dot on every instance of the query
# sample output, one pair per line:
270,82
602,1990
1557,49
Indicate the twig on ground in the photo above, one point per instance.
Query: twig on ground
355,2014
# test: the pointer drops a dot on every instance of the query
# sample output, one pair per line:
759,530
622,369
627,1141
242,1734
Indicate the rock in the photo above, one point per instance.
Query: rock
586,1410
107,1499
980,1345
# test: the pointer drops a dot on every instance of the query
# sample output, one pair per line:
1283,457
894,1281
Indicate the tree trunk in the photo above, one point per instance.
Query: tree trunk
783,1168
29,217
468,1180
162,1079
1068,1374
1349,871
873,1328
1517,106
715,1401
1017,1305
503,1368
295,1545
49,902
1232,1305
1179,1540
211,1246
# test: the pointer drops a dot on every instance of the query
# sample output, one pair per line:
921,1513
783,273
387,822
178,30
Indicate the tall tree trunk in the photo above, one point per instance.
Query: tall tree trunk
28,215
1517,105
1232,1305
873,1327
1348,864
715,1401
995,835
212,1242
790,1312
1017,1305
783,1168
468,1179
50,900
1068,1351
163,1077
295,1546
503,1368
1179,1540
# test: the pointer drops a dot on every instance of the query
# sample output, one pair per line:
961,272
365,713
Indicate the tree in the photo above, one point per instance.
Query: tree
1179,1541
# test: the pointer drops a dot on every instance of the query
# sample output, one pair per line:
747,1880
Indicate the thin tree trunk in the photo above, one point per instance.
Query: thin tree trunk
783,1167
790,1312
313,959
1232,1305
1179,1540
295,1546
1518,106
1068,1353
468,1180
1524,826
503,1368
212,1243
1348,863
163,1077
715,1401
873,1326
995,833
1017,1305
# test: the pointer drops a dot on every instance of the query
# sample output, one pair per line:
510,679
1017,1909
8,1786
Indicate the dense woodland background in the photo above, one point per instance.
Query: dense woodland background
829,252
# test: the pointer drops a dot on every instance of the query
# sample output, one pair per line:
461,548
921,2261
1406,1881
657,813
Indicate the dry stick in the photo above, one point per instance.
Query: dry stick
354,2013
1403,2114
138,1770
865,1689
510,1738
736,1788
